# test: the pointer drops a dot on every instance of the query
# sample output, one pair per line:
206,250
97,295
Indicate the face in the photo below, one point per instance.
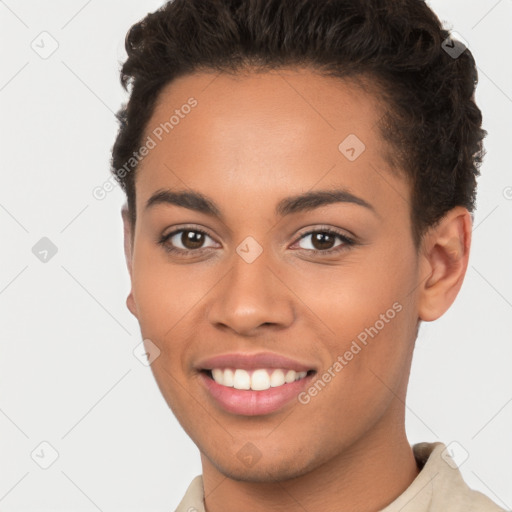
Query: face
291,258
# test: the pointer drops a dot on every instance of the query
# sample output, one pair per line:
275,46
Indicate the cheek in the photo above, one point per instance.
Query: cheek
165,293
161,302
165,299
366,315
363,290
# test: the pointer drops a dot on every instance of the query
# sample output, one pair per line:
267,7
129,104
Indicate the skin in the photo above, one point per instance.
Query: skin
252,140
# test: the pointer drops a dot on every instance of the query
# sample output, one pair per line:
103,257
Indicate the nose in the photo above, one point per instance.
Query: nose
251,296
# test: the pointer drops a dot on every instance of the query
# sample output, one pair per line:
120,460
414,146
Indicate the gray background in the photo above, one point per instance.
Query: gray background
68,375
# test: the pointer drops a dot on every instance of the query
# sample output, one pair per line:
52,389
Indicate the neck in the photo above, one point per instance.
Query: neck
367,476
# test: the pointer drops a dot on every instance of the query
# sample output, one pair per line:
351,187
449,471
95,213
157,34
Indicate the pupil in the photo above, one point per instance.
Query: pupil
192,239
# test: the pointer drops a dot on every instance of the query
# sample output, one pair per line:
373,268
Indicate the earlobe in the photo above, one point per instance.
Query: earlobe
130,304
445,256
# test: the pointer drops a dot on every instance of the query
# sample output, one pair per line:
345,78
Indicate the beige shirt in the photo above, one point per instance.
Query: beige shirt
439,487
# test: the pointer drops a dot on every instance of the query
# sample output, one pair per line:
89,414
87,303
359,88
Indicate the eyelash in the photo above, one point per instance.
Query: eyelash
347,242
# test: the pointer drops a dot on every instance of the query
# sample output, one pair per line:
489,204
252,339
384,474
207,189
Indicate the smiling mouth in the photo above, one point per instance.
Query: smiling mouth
259,379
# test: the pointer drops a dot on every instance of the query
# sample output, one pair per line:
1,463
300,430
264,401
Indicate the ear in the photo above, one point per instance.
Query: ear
444,260
128,253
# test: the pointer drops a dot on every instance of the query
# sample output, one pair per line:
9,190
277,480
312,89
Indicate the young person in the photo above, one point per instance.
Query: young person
300,179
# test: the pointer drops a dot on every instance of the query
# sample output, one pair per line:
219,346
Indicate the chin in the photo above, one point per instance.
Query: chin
264,470
262,474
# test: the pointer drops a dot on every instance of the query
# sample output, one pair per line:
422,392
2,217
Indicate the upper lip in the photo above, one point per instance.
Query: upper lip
248,361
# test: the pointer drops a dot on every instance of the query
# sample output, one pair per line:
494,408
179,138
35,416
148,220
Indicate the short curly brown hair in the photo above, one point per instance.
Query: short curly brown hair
432,124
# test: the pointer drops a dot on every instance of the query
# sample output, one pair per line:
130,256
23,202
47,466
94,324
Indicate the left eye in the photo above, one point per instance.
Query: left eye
324,240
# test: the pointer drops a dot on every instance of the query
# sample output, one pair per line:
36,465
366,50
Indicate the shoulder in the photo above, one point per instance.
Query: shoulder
193,500
449,490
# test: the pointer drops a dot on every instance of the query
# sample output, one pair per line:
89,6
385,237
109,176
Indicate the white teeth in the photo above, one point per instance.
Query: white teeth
218,376
228,379
277,378
257,380
290,376
260,380
241,380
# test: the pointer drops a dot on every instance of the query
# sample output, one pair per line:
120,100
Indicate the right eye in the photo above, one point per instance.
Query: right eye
190,239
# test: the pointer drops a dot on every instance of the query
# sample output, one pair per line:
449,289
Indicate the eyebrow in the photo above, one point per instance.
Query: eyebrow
198,202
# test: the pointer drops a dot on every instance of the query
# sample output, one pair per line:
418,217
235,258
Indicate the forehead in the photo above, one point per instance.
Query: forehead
271,133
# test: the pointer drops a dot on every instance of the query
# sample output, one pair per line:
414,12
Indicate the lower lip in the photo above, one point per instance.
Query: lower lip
247,402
